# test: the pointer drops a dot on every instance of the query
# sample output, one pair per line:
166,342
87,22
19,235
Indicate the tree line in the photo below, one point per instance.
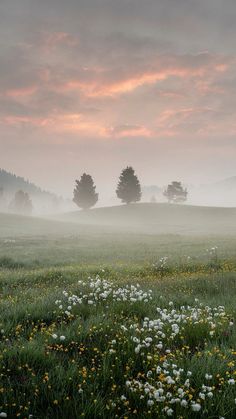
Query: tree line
85,196
128,190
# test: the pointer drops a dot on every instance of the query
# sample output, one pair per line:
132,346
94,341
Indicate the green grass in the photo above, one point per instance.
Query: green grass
44,377
85,375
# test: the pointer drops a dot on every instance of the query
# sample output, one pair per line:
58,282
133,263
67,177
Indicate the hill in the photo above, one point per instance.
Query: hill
160,218
229,183
132,219
43,201
222,193
12,183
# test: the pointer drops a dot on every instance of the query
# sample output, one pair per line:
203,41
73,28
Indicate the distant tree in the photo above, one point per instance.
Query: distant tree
128,188
176,193
21,203
85,195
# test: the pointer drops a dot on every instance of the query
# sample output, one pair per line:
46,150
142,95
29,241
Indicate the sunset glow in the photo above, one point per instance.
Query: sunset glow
93,74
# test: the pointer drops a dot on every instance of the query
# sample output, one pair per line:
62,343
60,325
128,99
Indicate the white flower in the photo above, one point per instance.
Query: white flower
150,402
169,412
137,349
208,377
231,381
196,407
159,346
54,337
62,338
3,415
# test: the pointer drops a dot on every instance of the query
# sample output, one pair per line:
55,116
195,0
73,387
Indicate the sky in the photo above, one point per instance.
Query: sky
96,85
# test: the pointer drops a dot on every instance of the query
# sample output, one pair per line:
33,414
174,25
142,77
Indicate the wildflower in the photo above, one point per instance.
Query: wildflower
231,381
62,338
196,407
54,336
3,415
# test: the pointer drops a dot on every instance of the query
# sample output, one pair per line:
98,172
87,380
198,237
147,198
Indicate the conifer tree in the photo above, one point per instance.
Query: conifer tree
128,188
85,195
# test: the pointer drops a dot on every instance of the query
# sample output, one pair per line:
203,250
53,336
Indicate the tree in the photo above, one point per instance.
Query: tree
21,203
85,195
176,193
128,188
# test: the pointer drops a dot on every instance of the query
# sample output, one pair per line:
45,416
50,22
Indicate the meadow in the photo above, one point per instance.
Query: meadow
102,322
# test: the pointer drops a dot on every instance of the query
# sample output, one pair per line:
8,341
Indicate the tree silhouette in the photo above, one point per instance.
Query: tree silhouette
85,195
128,188
176,193
21,203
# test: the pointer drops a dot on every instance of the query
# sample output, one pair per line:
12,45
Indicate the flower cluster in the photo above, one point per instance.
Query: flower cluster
172,324
167,384
98,290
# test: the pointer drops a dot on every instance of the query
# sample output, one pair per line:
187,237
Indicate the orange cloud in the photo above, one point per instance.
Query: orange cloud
101,88
125,131
98,86
21,92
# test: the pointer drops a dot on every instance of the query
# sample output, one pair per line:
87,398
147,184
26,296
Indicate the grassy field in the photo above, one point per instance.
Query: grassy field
107,322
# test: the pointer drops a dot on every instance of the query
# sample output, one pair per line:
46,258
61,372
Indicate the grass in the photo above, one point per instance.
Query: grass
85,374
104,356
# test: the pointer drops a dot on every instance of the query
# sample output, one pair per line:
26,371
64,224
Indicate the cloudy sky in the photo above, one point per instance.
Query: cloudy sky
95,85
